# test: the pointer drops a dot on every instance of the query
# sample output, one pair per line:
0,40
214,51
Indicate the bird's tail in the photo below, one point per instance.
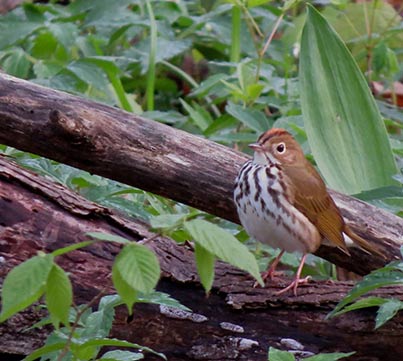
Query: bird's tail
361,242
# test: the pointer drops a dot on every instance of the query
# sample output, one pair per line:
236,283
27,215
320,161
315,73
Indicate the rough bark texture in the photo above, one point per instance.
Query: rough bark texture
158,158
8,5
236,322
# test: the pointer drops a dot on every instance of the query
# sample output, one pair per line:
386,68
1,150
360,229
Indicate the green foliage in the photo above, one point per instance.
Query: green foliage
136,268
204,67
223,245
59,295
345,130
278,355
25,284
392,274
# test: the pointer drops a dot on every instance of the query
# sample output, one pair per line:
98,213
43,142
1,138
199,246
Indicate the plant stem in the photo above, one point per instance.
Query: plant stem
266,45
75,324
236,34
151,58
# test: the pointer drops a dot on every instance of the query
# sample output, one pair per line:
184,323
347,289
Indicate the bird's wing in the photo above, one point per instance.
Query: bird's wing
312,199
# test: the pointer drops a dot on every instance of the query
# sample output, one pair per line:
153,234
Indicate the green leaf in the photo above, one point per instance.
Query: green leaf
329,356
108,237
388,275
71,248
199,115
15,62
223,245
387,310
246,75
119,355
44,351
161,298
124,289
167,220
14,31
363,303
59,296
345,130
119,343
205,266
253,3
253,91
278,355
24,284
136,268
252,118
158,298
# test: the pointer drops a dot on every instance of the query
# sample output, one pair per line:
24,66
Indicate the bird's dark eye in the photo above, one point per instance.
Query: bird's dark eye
281,148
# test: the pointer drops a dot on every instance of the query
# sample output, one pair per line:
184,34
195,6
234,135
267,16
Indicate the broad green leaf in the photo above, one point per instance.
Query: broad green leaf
205,266
14,31
387,310
24,284
138,267
15,62
278,355
125,291
59,296
329,356
119,355
252,118
108,237
345,130
223,245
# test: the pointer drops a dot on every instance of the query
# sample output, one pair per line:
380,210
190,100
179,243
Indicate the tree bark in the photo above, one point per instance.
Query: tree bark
236,321
160,159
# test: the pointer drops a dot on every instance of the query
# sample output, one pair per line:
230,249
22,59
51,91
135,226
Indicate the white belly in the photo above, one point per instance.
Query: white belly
269,217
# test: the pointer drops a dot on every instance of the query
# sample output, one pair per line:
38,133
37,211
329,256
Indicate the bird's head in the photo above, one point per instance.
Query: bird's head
277,146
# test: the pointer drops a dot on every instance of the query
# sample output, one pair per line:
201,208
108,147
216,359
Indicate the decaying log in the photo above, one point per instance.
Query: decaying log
158,158
236,322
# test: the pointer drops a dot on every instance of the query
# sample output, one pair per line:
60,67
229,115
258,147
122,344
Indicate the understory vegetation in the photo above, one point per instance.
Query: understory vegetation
226,71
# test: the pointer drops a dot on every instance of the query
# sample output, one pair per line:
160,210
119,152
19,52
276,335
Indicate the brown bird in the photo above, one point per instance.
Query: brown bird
282,201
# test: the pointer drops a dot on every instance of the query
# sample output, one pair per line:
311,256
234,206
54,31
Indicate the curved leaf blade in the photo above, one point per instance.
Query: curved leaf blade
24,285
223,245
345,130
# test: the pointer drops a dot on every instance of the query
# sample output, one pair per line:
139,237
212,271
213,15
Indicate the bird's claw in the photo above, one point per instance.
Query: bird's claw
294,285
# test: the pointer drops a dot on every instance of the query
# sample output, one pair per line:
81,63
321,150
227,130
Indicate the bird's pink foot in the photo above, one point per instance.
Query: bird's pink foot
294,285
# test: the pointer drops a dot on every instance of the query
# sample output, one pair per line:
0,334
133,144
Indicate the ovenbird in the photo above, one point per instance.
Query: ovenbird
282,201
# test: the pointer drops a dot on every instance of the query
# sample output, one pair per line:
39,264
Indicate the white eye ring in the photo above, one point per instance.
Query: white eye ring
281,148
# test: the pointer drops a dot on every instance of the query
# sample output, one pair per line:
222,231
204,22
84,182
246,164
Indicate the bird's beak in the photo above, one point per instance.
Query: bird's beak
255,146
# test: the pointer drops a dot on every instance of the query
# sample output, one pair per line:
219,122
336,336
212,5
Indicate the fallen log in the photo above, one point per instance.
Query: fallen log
236,322
160,159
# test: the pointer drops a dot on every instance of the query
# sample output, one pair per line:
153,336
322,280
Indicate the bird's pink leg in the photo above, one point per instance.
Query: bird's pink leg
297,281
271,270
